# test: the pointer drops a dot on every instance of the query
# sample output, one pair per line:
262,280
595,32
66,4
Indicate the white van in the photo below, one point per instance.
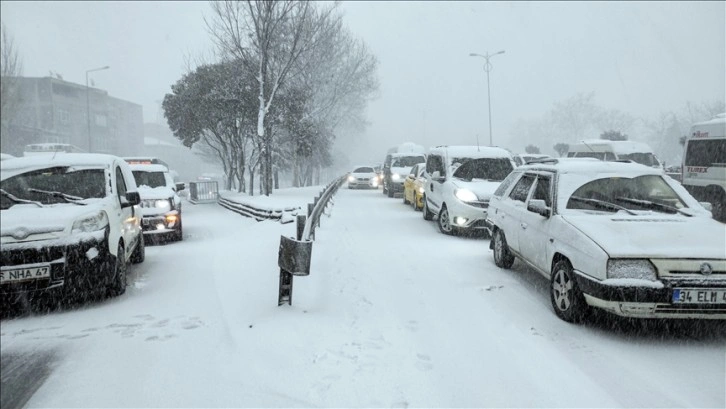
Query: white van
604,149
704,164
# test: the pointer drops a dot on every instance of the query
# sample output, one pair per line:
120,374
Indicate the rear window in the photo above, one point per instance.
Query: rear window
702,152
644,158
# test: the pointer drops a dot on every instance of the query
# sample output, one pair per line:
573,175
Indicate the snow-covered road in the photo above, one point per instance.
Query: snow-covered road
394,314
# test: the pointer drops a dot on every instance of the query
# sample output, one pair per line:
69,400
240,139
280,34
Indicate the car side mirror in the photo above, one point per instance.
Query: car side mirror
437,176
707,205
131,199
538,206
179,187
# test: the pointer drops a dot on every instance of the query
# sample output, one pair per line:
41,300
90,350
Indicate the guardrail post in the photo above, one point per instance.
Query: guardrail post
300,226
310,209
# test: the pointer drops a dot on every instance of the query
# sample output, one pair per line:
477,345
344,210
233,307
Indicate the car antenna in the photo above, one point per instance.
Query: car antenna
477,143
588,146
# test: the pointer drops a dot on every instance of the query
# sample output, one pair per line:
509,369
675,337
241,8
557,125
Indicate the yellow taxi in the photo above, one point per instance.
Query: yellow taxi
413,186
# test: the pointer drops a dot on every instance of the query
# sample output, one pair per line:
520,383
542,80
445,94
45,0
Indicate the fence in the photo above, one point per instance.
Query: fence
200,192
257,213
294,254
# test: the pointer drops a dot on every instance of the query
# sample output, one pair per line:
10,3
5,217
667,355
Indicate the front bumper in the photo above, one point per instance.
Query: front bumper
647,302
69,264
162,223
465,216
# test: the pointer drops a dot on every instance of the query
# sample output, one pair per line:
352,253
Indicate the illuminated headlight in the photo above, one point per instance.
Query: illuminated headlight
98,221
351,178
632,268
374,182
421,189
465,195
162,204
395,176
460,221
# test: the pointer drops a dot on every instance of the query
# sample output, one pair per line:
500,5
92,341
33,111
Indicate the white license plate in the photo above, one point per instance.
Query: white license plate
699,296
23,274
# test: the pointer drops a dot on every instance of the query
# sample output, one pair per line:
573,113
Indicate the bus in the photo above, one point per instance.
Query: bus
48,148
704,164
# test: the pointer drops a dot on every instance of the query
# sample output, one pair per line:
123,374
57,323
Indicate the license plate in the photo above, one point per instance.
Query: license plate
699,296
23,274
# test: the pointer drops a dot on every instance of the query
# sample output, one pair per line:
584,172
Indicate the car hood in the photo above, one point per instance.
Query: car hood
23,220
481,188
654,235
161,192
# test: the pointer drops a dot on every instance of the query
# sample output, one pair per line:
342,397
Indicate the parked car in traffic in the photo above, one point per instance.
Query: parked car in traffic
363,177
413,186
69,225
621,237
459,182
161,206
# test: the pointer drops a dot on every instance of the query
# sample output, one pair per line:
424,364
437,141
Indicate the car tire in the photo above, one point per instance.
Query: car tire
444,221
118,280
139,253
427,214
567,299
503,258
390,191
405,201
414,201
178,234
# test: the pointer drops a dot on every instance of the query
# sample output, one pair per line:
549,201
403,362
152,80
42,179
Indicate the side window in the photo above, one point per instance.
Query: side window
434,163
521,189
542,190
506,183
120,183
610,156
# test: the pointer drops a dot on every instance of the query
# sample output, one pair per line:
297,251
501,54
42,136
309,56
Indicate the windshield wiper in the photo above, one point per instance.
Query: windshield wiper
653,205
602,203
66,197
19,200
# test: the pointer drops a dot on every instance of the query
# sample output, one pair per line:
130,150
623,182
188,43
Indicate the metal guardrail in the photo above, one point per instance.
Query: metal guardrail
203,191
256,213
294,254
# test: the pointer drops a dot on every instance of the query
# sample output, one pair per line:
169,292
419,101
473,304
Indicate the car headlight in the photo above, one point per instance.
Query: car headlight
641,269
421,189
395,176
98,221
351,178
163,204
465,195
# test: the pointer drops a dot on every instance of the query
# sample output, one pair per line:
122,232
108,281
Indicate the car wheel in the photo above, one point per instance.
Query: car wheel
383,188
414,201
405,201
139,253
445,221
118,282
427,214
566,297
502,256
390,191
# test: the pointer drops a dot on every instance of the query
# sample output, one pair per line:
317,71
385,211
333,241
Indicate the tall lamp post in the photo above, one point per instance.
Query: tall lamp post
488,67
88,107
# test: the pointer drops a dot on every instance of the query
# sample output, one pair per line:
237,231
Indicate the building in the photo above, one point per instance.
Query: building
53,110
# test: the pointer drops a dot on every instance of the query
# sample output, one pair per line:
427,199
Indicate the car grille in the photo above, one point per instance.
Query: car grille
708,309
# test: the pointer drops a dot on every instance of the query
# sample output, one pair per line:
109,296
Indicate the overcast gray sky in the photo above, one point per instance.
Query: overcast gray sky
639,57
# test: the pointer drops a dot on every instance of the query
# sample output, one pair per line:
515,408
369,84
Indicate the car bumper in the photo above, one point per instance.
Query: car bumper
162,223
647,302
363,185
464,216
68,264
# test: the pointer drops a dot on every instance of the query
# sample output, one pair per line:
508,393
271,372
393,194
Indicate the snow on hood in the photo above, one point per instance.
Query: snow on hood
653,235
483,189
160,192
47,219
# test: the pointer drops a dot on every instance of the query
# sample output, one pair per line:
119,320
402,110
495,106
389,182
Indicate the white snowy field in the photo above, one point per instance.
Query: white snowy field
393,314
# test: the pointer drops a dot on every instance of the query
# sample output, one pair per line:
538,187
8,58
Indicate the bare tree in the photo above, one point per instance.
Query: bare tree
11,68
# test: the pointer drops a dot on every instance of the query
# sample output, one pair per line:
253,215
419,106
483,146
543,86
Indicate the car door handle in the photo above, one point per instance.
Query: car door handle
524,225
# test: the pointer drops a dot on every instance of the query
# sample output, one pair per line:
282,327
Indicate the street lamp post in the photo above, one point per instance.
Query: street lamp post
488,67
88,107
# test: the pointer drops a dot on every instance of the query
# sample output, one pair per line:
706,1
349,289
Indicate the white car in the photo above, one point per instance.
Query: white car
622,237
459,182
523,158
161,207
69,225
363,177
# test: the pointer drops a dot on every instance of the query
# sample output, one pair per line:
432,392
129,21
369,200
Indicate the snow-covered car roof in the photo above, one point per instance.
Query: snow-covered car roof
592,166
149,168
15,166
474,152
614,146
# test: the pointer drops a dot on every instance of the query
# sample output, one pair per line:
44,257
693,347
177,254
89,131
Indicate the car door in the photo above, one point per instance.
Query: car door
434,163
534,228
125,214
515,205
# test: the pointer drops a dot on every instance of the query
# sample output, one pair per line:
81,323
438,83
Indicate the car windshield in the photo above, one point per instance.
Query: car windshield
648,192
407,161
150,179
363,170
644,158
47,186
492,169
